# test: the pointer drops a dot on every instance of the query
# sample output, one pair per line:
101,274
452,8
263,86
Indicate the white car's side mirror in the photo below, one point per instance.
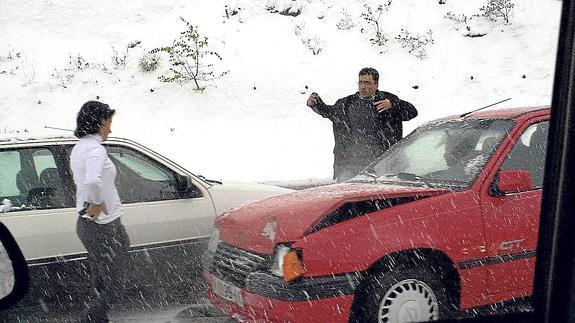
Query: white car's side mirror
13,270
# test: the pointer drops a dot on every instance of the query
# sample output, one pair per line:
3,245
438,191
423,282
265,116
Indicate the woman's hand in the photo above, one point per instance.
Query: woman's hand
95,209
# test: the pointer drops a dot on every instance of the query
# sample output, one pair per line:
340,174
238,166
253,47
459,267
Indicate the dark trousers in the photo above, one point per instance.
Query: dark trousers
107,246
344,171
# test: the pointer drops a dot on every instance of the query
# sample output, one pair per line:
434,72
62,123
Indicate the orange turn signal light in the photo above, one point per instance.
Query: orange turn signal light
292,266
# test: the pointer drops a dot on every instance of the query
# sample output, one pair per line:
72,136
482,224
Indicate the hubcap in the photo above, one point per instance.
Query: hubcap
409,300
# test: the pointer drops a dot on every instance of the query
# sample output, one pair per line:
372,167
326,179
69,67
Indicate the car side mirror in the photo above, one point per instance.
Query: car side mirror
512,181
13,270
182,183
184,186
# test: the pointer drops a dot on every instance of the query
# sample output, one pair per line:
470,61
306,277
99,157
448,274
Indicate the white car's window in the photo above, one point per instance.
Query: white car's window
43,159
139,165
141,179
529,153
10,161
30,179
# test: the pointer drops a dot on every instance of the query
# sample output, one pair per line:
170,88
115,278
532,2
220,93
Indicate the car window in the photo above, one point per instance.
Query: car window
10,161
30,179
141,179
529,153
43,159
139,165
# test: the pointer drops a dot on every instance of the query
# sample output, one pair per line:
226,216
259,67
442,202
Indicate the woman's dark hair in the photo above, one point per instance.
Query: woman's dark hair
370,71
90,118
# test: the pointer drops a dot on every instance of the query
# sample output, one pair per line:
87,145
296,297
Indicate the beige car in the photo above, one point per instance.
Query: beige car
169,212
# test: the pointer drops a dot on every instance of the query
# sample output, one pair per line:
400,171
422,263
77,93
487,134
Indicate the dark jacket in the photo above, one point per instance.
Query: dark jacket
361,133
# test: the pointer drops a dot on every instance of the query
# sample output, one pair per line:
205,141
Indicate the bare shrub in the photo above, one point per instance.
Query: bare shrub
65,76
462,18
345,21
498,9
149,62
313,43
415,43
373,17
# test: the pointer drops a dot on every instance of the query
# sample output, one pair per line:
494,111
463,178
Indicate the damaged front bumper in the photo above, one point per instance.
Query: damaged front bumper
266,297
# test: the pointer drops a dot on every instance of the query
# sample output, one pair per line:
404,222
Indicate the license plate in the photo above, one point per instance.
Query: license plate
227,291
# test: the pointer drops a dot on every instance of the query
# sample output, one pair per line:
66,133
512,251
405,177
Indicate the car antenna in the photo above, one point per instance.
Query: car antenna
55,128
485,107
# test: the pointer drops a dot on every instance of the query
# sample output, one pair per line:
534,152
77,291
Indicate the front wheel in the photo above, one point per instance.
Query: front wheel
403,295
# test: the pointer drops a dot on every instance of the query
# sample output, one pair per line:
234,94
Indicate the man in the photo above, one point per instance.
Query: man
365,124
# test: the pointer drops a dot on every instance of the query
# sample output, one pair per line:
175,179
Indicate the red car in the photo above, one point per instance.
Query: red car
445,220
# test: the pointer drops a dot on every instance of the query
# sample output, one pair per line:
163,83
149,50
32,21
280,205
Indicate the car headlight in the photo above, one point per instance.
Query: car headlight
287,263
214,240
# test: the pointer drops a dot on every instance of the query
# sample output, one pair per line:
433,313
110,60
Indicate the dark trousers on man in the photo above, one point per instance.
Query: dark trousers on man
107,246
343,170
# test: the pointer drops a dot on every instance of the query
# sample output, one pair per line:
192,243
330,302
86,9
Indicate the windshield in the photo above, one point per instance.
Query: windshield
440,154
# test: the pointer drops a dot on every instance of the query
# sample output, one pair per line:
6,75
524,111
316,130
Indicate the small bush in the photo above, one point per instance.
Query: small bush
456,18
9,63
286,8
345,22
231,10
187,57
134,44
315,44
119,59
373,17
10,56
65,75
498,9
149,62
77,63
415,44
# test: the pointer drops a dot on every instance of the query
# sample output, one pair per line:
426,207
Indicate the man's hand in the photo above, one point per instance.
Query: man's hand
382,105
95,209
313,99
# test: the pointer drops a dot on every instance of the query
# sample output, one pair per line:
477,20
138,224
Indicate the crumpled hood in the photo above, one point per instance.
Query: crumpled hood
285,218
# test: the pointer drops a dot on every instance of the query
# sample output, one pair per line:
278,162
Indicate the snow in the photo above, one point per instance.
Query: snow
252,124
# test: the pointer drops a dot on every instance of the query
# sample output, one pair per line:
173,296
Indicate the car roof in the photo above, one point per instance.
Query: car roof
35,139
506,113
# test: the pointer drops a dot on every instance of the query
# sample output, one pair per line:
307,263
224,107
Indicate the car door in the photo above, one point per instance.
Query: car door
512,219
38,201
155,212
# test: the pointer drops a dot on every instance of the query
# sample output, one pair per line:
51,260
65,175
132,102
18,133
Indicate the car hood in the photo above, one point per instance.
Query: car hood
233,195
286,218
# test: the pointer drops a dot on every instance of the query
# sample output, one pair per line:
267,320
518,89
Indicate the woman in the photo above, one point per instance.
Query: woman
99,207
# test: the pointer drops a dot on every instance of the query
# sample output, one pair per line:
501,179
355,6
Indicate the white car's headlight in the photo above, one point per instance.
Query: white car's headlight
214,240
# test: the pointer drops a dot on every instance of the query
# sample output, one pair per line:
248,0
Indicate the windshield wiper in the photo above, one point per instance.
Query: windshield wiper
410,177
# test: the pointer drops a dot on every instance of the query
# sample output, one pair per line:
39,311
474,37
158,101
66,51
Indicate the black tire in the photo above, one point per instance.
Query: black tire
410,293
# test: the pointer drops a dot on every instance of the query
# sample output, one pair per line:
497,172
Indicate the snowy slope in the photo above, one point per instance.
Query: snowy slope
252,124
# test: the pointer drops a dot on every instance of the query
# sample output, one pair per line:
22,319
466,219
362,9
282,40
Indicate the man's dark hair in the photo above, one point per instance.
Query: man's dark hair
370,71
90,117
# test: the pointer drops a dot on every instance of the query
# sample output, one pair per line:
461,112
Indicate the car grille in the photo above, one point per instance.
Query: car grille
233,264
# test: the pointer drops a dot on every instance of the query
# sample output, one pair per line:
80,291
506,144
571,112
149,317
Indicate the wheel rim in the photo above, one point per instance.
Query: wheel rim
409,300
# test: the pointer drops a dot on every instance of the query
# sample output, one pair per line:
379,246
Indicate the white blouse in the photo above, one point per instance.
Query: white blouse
94,176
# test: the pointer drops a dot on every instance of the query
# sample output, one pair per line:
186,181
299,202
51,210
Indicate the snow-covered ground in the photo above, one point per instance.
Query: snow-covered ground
252,124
